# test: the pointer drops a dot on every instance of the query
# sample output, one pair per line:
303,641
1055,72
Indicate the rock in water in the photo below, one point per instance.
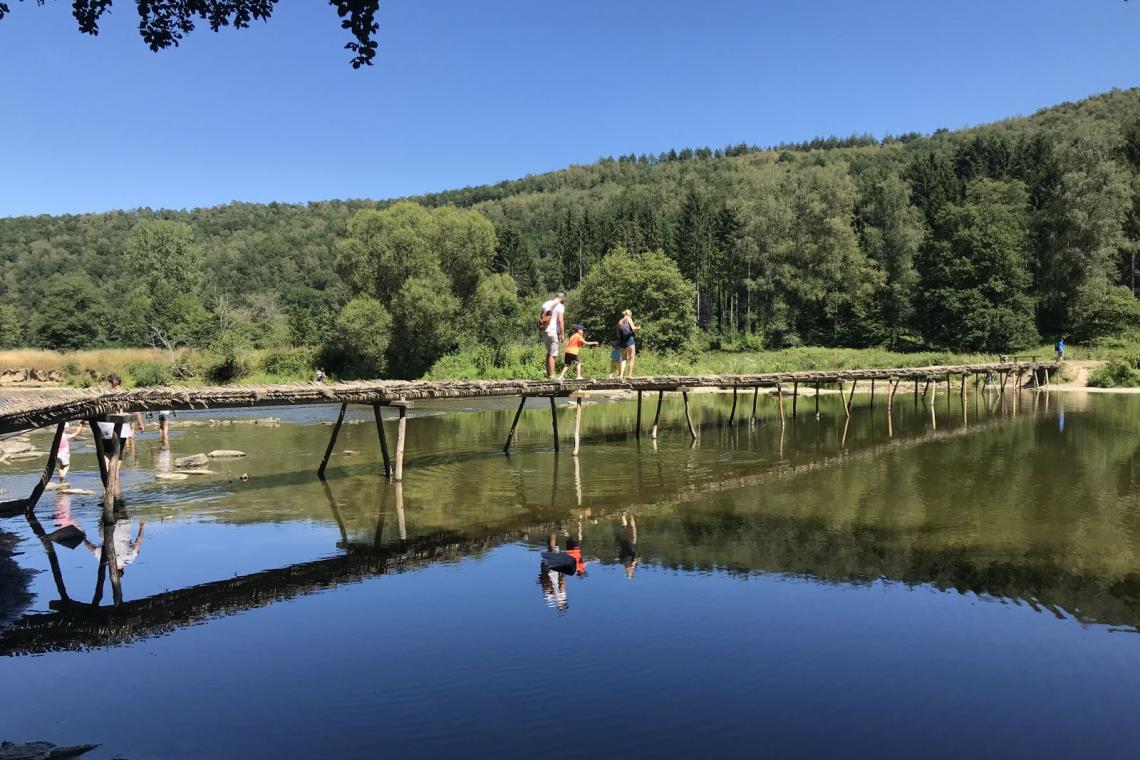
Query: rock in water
41,750
194,460
198,472
14,447
268,421
170,476
225,454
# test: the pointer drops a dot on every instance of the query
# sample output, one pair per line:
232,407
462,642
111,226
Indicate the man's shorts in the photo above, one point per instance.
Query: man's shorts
551,342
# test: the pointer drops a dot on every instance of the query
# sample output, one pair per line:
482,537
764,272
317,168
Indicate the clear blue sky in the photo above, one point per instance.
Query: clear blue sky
465,92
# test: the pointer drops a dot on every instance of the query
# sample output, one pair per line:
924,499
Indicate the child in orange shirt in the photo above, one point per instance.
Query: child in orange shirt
573,349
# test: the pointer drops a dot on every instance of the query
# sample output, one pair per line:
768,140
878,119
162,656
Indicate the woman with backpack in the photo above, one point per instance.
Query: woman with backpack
625,341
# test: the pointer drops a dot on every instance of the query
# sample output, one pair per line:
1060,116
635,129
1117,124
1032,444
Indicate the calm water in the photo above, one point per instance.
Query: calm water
967,586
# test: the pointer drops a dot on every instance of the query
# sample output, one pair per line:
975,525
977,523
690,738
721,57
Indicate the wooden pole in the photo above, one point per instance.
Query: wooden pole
916,391
843,398
732,414
100,453
795,397
657,416
689,416
577,422
514,424
49,469
851,398
755,394
926,389
112,483
384,439
554,421
817,399
638,433
873,392
332,441
401,430
963,385
780,402
890,395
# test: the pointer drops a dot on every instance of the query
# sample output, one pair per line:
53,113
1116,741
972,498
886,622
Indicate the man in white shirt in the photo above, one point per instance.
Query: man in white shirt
552,327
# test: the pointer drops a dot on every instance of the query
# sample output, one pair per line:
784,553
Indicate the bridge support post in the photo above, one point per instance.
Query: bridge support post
554,421
732,414
49,469
872,393
817,399
577,422
112,481
795,397
514,424
637,433
780,403
401,430
755,395
332,441
851,397
384,439
689,416
100,453
843,398
657,416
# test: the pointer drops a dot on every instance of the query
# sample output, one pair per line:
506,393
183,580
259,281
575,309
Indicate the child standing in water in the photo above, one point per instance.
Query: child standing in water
63,456
573,349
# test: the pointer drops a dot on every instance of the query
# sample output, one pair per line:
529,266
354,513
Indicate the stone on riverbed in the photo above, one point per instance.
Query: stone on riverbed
226,454
170,476
194,460
14,446
76,492
41,750
268,421
33,454
198,472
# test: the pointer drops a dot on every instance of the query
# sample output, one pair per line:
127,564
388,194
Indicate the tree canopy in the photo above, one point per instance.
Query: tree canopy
164,24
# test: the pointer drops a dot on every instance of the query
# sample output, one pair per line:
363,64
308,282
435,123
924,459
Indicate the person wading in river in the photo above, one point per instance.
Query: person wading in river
552,328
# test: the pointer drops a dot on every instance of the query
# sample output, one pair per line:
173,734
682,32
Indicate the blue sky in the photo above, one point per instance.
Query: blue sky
465,92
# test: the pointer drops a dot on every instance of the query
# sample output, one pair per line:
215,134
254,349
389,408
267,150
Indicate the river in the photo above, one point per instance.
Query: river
967,583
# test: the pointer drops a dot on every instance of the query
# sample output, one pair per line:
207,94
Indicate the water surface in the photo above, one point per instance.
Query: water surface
962,583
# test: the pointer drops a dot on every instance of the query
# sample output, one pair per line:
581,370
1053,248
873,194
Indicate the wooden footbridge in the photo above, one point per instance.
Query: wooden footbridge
56,407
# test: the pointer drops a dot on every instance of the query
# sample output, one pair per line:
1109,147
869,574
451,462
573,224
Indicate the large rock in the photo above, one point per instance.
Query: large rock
15,446
225,454
194,460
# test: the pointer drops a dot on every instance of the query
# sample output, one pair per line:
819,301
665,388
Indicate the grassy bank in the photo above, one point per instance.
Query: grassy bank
142,366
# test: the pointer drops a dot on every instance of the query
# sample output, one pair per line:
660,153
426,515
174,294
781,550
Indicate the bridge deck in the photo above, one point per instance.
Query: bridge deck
49,407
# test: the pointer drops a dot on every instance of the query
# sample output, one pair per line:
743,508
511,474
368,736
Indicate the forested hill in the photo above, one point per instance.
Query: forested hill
985,238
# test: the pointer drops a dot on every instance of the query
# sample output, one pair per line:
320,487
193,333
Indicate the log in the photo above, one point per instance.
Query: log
383,439
657,415
401,430
514,425
328,450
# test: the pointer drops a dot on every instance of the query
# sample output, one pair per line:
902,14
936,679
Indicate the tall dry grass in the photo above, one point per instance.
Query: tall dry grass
103,361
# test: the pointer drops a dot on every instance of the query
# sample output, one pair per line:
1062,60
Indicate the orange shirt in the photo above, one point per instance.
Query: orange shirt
579,563
574,345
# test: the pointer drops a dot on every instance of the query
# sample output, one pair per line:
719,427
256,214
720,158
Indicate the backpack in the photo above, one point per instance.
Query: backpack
544,318
623,331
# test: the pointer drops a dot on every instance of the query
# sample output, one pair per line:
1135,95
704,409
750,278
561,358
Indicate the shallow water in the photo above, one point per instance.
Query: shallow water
962,584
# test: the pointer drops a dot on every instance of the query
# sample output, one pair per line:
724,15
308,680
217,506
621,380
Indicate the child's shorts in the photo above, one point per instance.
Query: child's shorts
572,359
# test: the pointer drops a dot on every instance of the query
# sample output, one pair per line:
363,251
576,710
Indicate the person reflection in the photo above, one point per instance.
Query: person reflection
126,550
552,576
625,534
62,516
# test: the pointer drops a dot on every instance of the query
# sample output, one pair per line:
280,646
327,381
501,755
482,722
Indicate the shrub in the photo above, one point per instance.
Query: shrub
227,360
297,362
149,374
1115,374
358,341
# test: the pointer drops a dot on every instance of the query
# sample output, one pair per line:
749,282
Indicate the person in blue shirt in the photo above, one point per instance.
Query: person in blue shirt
1061,349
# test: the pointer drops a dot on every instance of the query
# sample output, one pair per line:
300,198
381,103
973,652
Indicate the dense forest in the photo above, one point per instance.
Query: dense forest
991,238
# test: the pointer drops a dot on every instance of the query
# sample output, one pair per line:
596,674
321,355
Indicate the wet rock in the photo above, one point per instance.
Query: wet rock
170,476
349,452
41,751
271,421
194,460
33,454
198,472
77,492
15,446
225,454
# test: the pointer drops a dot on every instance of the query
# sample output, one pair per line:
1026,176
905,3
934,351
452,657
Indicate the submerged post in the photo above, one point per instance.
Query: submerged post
795,396
688,415
514,424
554,421
401,429
49,469
872,393
817,399
383,440
732,414
332,441
755,394
657,416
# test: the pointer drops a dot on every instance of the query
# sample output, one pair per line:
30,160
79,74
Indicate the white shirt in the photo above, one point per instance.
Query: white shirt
107,429
556,309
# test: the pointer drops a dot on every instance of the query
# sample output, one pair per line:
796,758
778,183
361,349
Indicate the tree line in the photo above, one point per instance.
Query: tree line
986,239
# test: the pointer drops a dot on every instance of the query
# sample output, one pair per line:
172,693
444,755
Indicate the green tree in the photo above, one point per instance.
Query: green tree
1101,310
975,277
11,329
466,242
423,327
651,286
358,342
494,315
73,314
386,248
164,253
